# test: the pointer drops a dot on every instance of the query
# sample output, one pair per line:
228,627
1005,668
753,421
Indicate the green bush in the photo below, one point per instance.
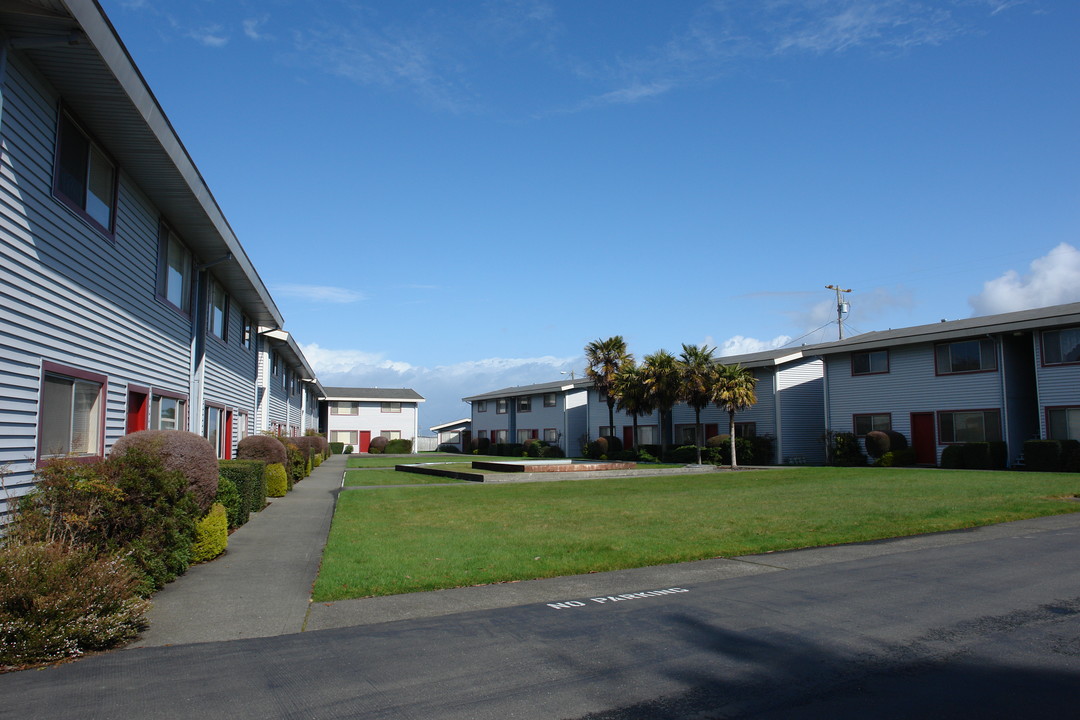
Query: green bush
952,457
229,498
843,449
447,448
745,451
297,464
378,445
211,534
480,445
277,480
999,455
250,481
506,449
1042,455
59,601
897,458
717,441
127,503
554,451
684,454
336,448
348,450
265,448
623,456
603,447
1070,455
188,453
976,456
399,446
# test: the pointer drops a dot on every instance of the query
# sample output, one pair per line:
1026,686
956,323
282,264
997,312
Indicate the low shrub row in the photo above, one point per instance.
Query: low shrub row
1052,455
975,456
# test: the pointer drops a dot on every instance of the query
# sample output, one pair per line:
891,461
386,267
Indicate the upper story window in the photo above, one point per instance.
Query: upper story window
481,406
1061,346
219,311
71,413
245,331
872,362
390,407
344,408
85,177
500,406
549,399
966,356
275,362
524,404
175,271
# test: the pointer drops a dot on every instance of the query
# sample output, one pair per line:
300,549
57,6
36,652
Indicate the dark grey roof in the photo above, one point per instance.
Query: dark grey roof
539,388
352,393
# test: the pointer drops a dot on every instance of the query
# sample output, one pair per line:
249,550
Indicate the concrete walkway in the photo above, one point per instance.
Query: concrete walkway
261,587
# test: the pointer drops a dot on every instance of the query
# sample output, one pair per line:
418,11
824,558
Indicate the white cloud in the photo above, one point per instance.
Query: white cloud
210,35
741,345
1051,280
442,386
319,293
252,28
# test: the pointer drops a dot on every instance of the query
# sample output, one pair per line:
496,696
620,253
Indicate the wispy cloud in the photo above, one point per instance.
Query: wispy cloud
209,35
253,28
319,293
1052,279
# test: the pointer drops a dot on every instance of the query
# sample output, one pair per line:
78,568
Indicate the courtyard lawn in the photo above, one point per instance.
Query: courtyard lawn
390,541
369,461
386,476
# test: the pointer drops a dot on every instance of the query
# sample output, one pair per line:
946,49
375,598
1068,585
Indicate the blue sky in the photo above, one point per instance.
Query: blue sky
458,196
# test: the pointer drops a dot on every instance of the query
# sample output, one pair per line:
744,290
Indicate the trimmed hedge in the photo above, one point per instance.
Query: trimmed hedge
348,450
277,480
975,456
400,446
189,454
211,534
265,448
896,458
336,448
1052,455
447,448
480,446
229,497
250,481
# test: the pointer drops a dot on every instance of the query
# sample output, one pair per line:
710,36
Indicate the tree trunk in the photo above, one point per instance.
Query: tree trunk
611,415
731,437
697,433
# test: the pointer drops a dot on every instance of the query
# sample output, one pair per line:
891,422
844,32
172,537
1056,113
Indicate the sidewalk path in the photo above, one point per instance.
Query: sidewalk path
261,587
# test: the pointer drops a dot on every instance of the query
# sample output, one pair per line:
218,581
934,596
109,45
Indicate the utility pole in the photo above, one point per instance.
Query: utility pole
842,306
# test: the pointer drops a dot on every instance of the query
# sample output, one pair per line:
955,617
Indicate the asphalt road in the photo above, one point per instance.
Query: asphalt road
987,626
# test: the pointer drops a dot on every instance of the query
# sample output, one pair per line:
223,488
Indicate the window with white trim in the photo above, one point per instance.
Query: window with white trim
71,414
85,177
167,413
213,421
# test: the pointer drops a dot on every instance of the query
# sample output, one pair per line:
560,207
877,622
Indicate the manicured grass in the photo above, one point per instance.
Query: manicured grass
383,476
391,541
384,461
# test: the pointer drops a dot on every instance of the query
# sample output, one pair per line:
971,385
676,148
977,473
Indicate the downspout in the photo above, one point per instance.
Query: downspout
1036,350
197,367
778,415
1004,397
828,409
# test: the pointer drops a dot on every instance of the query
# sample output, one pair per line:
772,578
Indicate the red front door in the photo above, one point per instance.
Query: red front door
227,454
365,440
923,439
136,412
628,437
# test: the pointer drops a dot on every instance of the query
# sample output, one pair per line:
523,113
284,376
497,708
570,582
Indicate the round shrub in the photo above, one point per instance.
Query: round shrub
952,457
897,441
480,445
277,480
187,453
296,467
266,448
308,444
377,446
348,450
877,443
337,447
597,449
614,444
447,448
58,601
211,534
718,441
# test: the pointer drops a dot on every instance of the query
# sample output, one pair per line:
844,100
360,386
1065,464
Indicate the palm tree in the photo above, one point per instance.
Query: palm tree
604,358
698,378
663,385
630,394
734,391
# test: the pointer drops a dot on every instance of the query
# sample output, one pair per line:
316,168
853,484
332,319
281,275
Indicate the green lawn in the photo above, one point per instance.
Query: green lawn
384,476
384,461
391,541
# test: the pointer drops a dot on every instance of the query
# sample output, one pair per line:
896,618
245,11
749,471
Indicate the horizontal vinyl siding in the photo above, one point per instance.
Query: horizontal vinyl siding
68,294
231,368
1059,385
802,411
910,386
762,413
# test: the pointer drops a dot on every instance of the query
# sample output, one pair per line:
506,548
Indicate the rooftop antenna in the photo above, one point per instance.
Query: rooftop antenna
843,307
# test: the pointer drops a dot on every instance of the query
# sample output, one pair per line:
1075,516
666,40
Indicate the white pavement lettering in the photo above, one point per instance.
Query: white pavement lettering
616,598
